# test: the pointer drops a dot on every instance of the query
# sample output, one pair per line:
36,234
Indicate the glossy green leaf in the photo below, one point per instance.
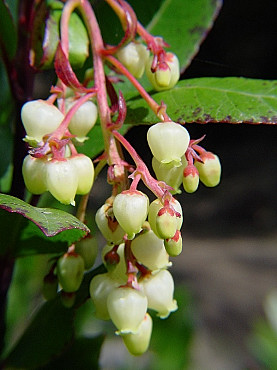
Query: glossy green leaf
184,24
8,36
203,100
51,334
28,230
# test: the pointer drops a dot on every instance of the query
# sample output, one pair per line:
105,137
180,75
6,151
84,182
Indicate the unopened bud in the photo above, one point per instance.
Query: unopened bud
166,223
190,178
70,271
210,169
173,246
166,75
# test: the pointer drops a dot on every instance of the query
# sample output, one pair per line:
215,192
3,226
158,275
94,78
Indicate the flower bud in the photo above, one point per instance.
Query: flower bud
155,207
159,289
168,142
108,225
33,170
166,223
167,75
87,248
149,250
40,118
70,271
134,57
62,180
50,286
169,173
209,170
83,119
130,209
138,343
68,299
127,308
85,172
173,246
100,287
190,179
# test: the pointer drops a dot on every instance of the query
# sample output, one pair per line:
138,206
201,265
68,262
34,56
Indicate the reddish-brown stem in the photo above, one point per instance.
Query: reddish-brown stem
149,181
156,108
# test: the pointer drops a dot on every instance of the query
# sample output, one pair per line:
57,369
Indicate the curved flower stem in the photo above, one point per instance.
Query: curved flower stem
157,187
159,110
58,134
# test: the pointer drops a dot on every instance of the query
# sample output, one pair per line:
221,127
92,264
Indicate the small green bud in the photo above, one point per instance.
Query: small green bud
164,77
70,271
190,179
173,246
87,248
166,223
209,170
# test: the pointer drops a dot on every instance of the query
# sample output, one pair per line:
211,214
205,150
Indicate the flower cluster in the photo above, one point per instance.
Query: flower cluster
141,235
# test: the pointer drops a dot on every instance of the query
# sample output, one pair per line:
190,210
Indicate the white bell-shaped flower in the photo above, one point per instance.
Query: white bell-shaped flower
88,250
40,118
130,209
159,289
62,180
150,251
108,225
168,142
33,170
127,308
83,119
100,287
85,172
169,173
138,343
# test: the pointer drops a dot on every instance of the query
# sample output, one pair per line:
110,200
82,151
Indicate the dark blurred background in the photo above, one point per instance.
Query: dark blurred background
229,258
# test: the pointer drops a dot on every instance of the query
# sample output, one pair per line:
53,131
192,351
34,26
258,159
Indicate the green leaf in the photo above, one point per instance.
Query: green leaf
49,334
46,35
8,36
27,230
203,100
52,332
184,24
82,355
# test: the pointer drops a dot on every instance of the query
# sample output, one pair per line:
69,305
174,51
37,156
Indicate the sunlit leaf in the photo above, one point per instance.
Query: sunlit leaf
30,230
203,100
